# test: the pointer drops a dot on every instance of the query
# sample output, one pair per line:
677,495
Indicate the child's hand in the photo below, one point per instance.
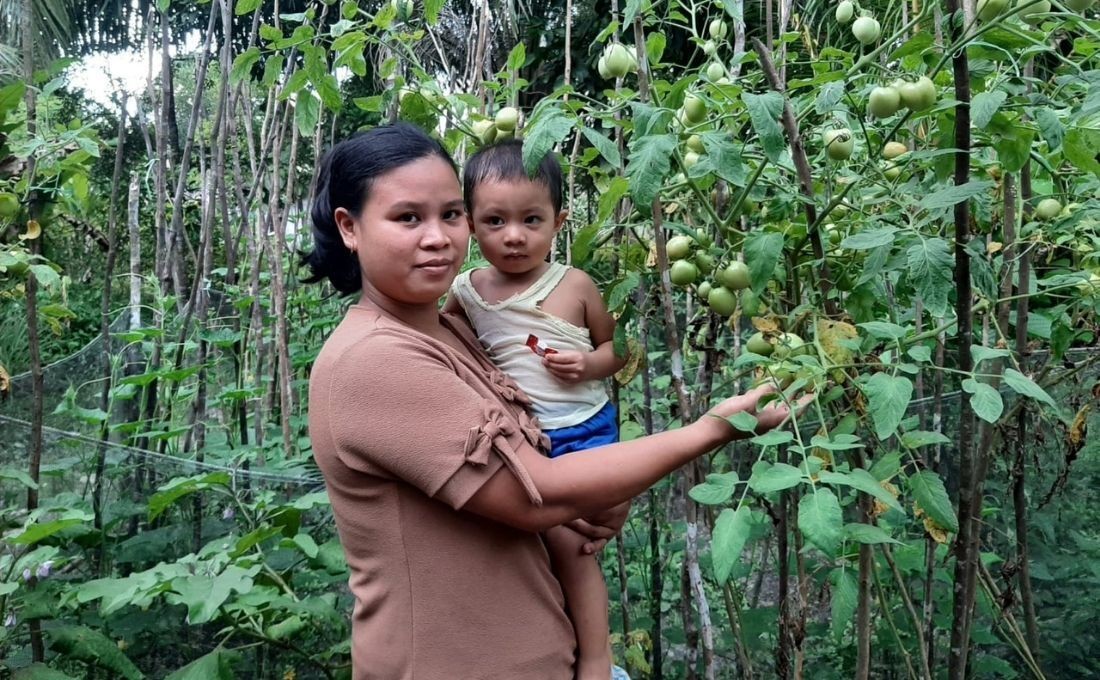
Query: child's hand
567,366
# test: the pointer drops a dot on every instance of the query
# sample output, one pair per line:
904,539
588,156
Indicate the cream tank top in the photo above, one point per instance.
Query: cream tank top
502,329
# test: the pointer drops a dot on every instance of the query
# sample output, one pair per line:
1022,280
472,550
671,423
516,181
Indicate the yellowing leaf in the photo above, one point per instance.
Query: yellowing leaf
34,230
1077,430
635,360
993,247
832,335
765,324
938,534
5,383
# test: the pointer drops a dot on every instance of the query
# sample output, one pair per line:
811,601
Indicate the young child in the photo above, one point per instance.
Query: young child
546,326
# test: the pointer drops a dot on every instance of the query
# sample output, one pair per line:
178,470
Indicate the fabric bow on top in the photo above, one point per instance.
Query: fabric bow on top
493,435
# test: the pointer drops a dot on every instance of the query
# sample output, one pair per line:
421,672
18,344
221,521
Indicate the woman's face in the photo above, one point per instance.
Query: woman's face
410,236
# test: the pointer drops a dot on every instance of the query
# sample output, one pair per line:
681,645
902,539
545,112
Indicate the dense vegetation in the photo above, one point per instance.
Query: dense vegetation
896,206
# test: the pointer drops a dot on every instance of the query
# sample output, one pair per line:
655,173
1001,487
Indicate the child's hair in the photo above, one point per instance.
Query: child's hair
344,181
503,162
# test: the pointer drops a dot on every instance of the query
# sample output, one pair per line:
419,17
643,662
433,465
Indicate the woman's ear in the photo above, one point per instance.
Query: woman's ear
345,222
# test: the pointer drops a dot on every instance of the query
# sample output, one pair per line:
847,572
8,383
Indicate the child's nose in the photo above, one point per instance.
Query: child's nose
513,234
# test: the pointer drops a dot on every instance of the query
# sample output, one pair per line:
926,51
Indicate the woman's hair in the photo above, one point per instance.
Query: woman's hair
347,172
503,162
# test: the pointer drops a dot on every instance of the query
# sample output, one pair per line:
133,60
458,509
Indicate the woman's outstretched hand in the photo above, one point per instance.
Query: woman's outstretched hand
768,416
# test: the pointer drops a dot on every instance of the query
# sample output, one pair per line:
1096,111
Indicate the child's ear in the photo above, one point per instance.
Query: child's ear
559,222
470,222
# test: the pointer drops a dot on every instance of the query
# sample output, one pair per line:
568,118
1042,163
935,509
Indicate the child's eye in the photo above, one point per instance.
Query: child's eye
533,219
494,221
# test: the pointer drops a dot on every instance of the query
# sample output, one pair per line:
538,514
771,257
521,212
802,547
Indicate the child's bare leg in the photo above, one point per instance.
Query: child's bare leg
586,595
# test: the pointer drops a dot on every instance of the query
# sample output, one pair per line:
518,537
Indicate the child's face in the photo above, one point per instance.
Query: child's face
514,223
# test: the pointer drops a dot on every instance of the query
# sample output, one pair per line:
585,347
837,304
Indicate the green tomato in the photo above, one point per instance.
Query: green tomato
1077,5
735,276
845,12
893,149
690,159
1090,287
722,301
618,60
695,143
715,70
758,344
9,205
718,29
485,130
835,237
679,247
702,237
891,170
506,119
695,109
704,290
1031,11
883,102
866,30
789,345
918,96
991,9
709,48
839,143
601,67
1048,209
704,262
683,273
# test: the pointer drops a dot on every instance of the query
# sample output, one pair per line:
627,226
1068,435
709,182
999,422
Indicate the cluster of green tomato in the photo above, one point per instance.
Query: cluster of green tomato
690,263
502,126
866,28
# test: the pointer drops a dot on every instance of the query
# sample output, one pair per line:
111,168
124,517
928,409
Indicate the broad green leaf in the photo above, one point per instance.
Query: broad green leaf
723,158
93,648
647,167
550,127
609,200
931,268
19,476
764,112
36,532
731,530
306,544
949,196
432,9
246,6
217,665
203,595
329,90
716,490
1050,127
8,588
931,497
981,353
919,438
307,109
844,600
984,105
884,330
746,422
762,252
773,438
886,466
1014,147
888,397
178,488
517,57
46,275
605,146
10,96
1026,386
767,478
828,96
820,519
985,400
863,481
870,238
1081,147
40,671
242,64
836,442
655,47
867,533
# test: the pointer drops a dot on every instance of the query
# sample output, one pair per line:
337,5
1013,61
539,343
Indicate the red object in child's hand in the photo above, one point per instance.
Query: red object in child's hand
533,343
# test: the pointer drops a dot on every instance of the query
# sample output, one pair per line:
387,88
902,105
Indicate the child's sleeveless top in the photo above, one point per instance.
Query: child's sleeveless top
503,328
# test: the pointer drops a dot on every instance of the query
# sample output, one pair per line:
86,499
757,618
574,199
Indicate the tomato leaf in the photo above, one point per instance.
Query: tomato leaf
931,497
764,112
730,533
984,399
1082,148
984,105
604,145
845,599
888,397
931,270
762,252
821,520
650,157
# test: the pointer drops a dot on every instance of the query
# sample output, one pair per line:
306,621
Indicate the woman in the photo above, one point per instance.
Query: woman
436,472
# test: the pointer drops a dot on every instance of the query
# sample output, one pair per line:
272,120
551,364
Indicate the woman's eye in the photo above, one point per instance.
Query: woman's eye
408,217
452,215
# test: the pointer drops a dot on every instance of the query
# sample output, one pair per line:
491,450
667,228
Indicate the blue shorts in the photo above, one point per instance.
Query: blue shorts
600,429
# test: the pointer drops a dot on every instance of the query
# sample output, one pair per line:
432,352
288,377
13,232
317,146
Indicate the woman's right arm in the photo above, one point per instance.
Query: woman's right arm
586,483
